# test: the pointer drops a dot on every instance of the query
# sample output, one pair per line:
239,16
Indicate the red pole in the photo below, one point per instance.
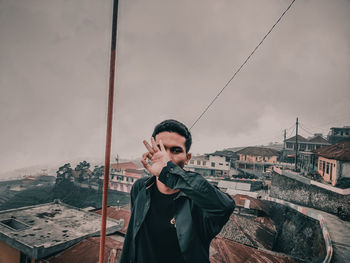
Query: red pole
109,130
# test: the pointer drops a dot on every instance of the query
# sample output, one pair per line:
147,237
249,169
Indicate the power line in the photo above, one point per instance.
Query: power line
243,64
302,127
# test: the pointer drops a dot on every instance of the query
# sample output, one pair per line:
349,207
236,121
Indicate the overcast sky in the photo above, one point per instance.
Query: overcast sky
173,57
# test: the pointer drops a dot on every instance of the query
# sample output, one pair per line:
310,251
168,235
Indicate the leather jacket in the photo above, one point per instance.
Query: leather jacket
201,212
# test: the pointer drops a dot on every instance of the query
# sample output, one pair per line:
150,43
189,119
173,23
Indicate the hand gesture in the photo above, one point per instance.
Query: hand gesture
158,156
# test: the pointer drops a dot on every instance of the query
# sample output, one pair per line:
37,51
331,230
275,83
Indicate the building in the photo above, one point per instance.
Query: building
31,234
210,165
307,160
338,134
256,160
334,162
123,176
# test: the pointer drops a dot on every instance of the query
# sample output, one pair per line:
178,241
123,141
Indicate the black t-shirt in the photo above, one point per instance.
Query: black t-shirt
157,239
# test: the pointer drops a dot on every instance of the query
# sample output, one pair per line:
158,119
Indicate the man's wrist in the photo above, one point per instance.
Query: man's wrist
167,169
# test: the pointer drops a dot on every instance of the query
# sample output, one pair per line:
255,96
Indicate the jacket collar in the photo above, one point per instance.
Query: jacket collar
150,181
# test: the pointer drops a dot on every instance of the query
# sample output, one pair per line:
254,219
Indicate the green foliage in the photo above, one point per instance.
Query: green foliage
68,193
64,174
82,170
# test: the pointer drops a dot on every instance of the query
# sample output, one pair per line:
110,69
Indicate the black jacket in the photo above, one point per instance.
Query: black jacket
201,212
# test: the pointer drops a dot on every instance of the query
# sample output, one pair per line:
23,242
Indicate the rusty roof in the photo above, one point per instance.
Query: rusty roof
249,230
87,251
258,151
339,151
118,213
124,166
254,203
224,250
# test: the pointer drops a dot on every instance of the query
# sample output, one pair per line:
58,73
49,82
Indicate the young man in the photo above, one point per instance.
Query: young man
174,213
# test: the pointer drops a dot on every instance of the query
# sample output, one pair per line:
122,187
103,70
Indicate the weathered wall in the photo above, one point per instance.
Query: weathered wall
346,170
308,195
298,235
8,254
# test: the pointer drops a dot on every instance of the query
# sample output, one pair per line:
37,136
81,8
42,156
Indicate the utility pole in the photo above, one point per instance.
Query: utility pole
296,145
284,146
108,131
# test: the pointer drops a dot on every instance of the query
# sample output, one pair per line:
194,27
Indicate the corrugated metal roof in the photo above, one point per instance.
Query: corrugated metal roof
234,185
254,203
258,151
339,151
124,166
227,251
87,251
115,213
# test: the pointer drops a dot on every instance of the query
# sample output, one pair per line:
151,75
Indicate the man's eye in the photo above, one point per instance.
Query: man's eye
176,150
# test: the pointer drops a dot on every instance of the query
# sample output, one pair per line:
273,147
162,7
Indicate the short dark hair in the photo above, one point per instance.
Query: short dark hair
174,126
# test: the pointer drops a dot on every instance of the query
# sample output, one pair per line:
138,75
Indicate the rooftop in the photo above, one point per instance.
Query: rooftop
124,166
224,250
39,231
258,151
118,214
339,151
87,251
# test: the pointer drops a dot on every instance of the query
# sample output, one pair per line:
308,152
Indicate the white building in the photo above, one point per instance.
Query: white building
209,165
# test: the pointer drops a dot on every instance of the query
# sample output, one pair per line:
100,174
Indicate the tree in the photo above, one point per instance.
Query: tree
97,175
82,170
64,174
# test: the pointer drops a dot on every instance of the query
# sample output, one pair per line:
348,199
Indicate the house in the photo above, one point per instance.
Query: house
31,234
338,134
210,165
334,162
123,176
257,159
307,160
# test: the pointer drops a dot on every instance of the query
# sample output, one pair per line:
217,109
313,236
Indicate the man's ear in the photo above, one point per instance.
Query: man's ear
189,156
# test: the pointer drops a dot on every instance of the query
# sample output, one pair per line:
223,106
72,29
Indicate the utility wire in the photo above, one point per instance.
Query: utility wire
302,127
243,64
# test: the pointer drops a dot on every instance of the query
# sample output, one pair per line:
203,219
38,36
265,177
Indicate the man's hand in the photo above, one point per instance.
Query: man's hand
157,155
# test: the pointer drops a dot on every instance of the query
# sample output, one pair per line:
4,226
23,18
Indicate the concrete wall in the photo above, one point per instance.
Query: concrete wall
329,169
298,235
346,170
285,188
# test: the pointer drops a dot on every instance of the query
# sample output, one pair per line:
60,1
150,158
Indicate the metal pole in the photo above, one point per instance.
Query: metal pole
109,130
296,146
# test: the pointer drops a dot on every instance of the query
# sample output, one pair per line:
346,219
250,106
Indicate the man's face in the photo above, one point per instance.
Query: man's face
174,144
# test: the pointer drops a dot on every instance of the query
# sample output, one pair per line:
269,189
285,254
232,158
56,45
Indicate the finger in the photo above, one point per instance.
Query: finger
145,164
149,148
147,155
155,147
162,148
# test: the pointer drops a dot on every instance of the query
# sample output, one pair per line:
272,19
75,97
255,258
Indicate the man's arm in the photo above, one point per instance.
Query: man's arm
216,205
196,187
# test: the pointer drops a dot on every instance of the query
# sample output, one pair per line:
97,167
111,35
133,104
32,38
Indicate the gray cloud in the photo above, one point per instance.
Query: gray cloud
173,58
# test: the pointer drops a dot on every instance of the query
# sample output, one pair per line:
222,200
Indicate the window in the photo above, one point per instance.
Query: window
198,162
221,164
192,162
212,164
327,168
204,162
14,224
